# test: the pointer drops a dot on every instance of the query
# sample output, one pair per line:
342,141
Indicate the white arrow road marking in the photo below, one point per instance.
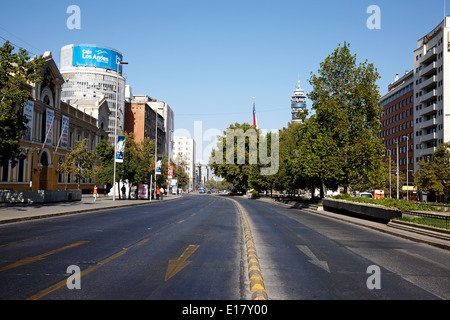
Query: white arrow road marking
314,260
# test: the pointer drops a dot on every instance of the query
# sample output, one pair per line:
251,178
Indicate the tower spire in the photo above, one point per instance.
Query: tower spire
298,102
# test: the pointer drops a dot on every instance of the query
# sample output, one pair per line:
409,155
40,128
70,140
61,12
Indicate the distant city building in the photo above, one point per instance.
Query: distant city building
397,123
202,173
94,108
184,151
298,103
432,91
90,72
128,93
140,118
169,122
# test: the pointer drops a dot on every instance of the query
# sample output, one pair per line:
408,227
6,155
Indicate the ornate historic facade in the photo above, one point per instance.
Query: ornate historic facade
53,128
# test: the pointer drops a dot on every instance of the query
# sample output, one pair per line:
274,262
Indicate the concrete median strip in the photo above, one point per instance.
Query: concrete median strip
257,287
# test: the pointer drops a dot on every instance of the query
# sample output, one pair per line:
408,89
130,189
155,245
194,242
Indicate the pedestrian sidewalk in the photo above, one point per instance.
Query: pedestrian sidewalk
22,212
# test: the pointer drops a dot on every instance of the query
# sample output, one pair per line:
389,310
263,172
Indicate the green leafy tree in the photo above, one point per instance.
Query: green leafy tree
179,173
318,161
434,175
105,170
16,71
148,156
345,99
237,169
148,153
131,169
257,180
220,185
138,164
289,177
79,162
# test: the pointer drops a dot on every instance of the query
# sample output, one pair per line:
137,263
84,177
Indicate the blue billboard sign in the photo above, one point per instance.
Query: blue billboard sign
92,56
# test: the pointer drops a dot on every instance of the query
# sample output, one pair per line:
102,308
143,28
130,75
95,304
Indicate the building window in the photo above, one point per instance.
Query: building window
21,171
60,175
43,126
5,173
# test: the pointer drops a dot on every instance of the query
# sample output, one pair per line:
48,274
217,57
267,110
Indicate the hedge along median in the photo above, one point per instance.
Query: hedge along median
361,209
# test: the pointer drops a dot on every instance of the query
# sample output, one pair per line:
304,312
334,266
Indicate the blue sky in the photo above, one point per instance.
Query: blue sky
207,58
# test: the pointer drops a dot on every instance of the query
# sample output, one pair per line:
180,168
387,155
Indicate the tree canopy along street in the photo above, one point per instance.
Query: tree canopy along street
207,247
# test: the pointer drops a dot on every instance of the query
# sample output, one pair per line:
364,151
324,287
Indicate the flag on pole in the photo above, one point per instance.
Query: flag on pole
255,123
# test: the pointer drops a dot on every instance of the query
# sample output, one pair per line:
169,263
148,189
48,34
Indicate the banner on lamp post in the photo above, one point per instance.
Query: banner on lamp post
120,149
170,172
158,165
28,112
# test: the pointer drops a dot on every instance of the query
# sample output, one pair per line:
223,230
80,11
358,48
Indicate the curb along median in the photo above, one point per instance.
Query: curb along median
254,270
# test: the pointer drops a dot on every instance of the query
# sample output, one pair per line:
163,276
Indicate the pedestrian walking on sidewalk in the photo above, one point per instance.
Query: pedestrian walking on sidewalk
124,192
95,192
158,192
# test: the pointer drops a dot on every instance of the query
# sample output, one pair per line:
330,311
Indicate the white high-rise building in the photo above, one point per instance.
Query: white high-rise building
298,102
184,151
90,72
432,91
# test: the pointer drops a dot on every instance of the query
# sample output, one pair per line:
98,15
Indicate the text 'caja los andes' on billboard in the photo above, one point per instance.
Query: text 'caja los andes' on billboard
92,56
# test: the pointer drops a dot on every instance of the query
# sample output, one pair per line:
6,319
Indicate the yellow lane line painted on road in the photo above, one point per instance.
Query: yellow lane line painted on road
142,242
85,272
254,270
25,261
16,242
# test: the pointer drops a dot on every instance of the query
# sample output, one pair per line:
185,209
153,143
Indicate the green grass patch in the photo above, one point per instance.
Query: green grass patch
391,203
428,221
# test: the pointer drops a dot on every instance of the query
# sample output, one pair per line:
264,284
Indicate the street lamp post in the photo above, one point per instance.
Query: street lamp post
396,141
168,159
115,129
156,145
407,169
390,193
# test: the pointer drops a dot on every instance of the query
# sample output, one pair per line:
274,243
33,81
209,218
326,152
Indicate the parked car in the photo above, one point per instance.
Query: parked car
365,195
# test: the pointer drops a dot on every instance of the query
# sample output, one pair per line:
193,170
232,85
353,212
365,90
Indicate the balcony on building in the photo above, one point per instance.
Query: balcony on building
428,137
428,124
426,110
428,96
428,151
428,70
428,83
429,56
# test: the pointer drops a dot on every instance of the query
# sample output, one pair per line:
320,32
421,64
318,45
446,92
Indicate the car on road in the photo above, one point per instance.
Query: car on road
366,195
